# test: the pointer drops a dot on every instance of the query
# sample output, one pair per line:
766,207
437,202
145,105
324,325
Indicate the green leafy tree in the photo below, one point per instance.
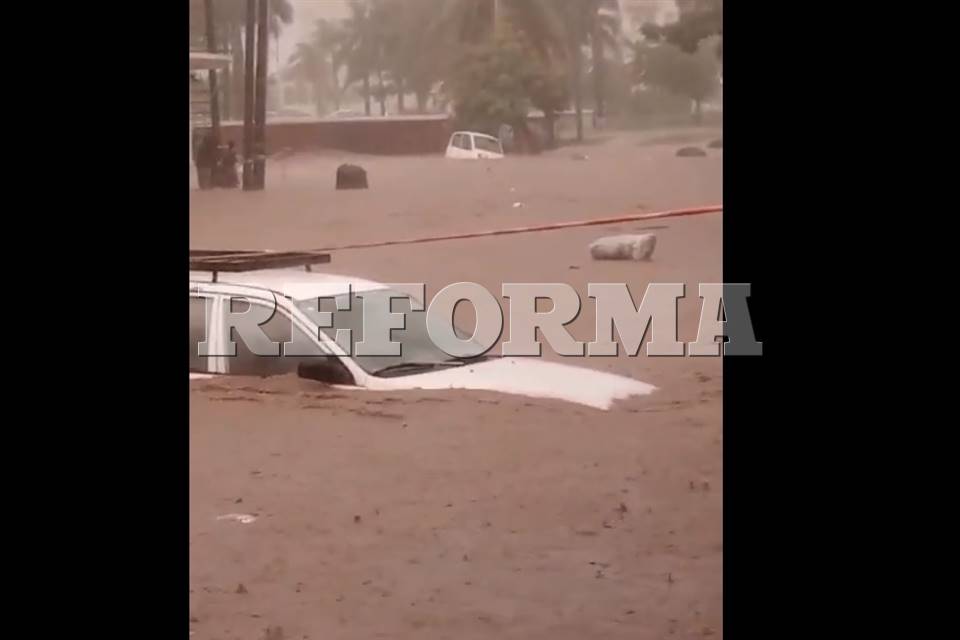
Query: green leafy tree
498,83
549,91
481,24
698,20
692,75
489,87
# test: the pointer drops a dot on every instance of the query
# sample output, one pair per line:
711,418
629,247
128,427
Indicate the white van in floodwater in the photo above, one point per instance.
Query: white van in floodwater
469,145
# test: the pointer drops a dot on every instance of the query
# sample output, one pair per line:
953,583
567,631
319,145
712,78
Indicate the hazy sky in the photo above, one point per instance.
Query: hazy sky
305,13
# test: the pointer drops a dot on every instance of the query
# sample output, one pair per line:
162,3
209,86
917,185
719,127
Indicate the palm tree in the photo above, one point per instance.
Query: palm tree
359,47
328,39
471,22
604,27
697,21
383,22
403,49
281,13
595,23
422,60
231,18
307,64
539,23
575,15
465,21
391,22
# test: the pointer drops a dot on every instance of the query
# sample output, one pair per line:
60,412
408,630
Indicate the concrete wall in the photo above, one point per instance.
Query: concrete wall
397,135
564,125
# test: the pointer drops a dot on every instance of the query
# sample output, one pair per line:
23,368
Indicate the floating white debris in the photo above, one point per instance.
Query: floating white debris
625,247
242,518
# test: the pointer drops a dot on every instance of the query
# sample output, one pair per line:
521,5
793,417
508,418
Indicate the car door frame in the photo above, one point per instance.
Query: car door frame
269,298
457,152
483,154
216,365
453,151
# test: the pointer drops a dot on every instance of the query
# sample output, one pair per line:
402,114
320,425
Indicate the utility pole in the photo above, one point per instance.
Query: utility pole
212,73
263,52
248,89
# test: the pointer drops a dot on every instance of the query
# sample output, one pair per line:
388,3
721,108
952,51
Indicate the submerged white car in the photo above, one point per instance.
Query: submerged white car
469,145
421,365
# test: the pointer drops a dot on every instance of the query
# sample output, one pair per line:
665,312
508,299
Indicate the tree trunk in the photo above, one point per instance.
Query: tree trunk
366,93
574,30
381,93
336,85
551,120
211,34
236,74
421,102
226,93
226,87
599,70
318,101
578,90
400,90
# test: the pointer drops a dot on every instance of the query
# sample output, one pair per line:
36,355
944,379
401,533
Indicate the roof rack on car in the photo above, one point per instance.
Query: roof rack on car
237,261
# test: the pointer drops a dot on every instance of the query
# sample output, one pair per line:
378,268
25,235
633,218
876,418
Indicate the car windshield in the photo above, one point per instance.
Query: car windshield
487,144
416,346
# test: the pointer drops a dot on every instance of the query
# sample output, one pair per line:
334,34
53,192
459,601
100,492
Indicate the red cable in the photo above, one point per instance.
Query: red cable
544,227
670,213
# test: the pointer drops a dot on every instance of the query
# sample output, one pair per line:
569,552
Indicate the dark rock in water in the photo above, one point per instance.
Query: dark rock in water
716,144
691,152
350,176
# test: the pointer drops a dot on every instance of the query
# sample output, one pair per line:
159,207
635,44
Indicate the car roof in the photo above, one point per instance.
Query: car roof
293,283
475,133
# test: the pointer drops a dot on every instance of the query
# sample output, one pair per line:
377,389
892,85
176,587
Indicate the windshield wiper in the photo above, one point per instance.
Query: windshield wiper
470,360
402,366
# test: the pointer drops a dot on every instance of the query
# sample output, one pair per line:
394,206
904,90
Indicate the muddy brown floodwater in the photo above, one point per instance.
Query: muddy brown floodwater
458,514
